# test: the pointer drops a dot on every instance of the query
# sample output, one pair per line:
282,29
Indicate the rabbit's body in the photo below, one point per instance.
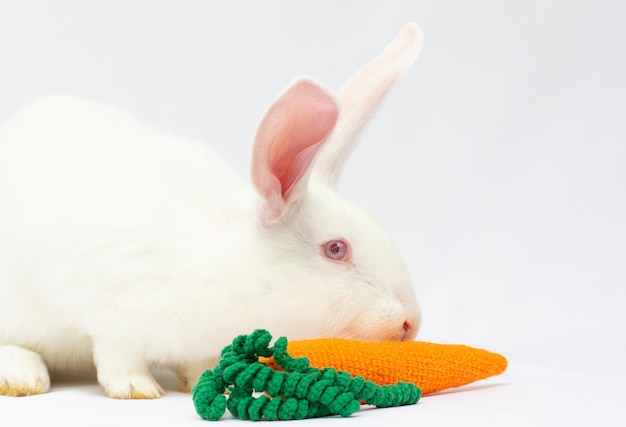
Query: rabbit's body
141,211
122,246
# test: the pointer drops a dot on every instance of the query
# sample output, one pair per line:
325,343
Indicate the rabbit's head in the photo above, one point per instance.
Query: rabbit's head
336,270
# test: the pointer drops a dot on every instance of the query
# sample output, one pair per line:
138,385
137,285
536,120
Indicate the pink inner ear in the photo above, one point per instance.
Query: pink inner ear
289,136
298,167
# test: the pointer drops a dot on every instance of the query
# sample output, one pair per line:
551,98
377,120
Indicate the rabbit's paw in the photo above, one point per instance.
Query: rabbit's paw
22,372
124,374
139,385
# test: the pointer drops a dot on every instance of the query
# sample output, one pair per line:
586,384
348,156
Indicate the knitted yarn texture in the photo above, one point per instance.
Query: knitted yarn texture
431,366
296,391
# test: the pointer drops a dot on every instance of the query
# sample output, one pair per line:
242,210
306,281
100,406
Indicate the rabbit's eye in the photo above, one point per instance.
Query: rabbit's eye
336,250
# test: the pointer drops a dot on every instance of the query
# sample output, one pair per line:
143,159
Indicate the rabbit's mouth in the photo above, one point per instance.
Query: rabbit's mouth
403,331
406,333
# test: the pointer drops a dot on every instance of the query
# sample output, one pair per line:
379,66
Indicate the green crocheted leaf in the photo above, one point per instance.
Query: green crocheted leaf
296,392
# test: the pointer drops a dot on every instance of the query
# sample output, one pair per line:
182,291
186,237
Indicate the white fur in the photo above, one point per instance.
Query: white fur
122,246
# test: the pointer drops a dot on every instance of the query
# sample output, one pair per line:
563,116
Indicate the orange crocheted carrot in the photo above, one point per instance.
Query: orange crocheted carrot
432,367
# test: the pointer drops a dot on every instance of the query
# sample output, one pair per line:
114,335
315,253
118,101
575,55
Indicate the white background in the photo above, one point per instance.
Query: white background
498,165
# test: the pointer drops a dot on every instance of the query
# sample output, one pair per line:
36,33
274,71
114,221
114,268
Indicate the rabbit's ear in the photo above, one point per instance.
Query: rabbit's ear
361,95
290,134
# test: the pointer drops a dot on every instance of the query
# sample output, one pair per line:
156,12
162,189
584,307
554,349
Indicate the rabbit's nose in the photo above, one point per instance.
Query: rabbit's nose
409,331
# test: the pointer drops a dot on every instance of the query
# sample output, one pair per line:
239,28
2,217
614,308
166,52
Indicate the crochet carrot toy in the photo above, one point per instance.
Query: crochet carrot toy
432,367
387,374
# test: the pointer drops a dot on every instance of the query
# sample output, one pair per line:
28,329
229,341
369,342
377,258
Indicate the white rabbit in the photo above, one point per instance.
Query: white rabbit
122,247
